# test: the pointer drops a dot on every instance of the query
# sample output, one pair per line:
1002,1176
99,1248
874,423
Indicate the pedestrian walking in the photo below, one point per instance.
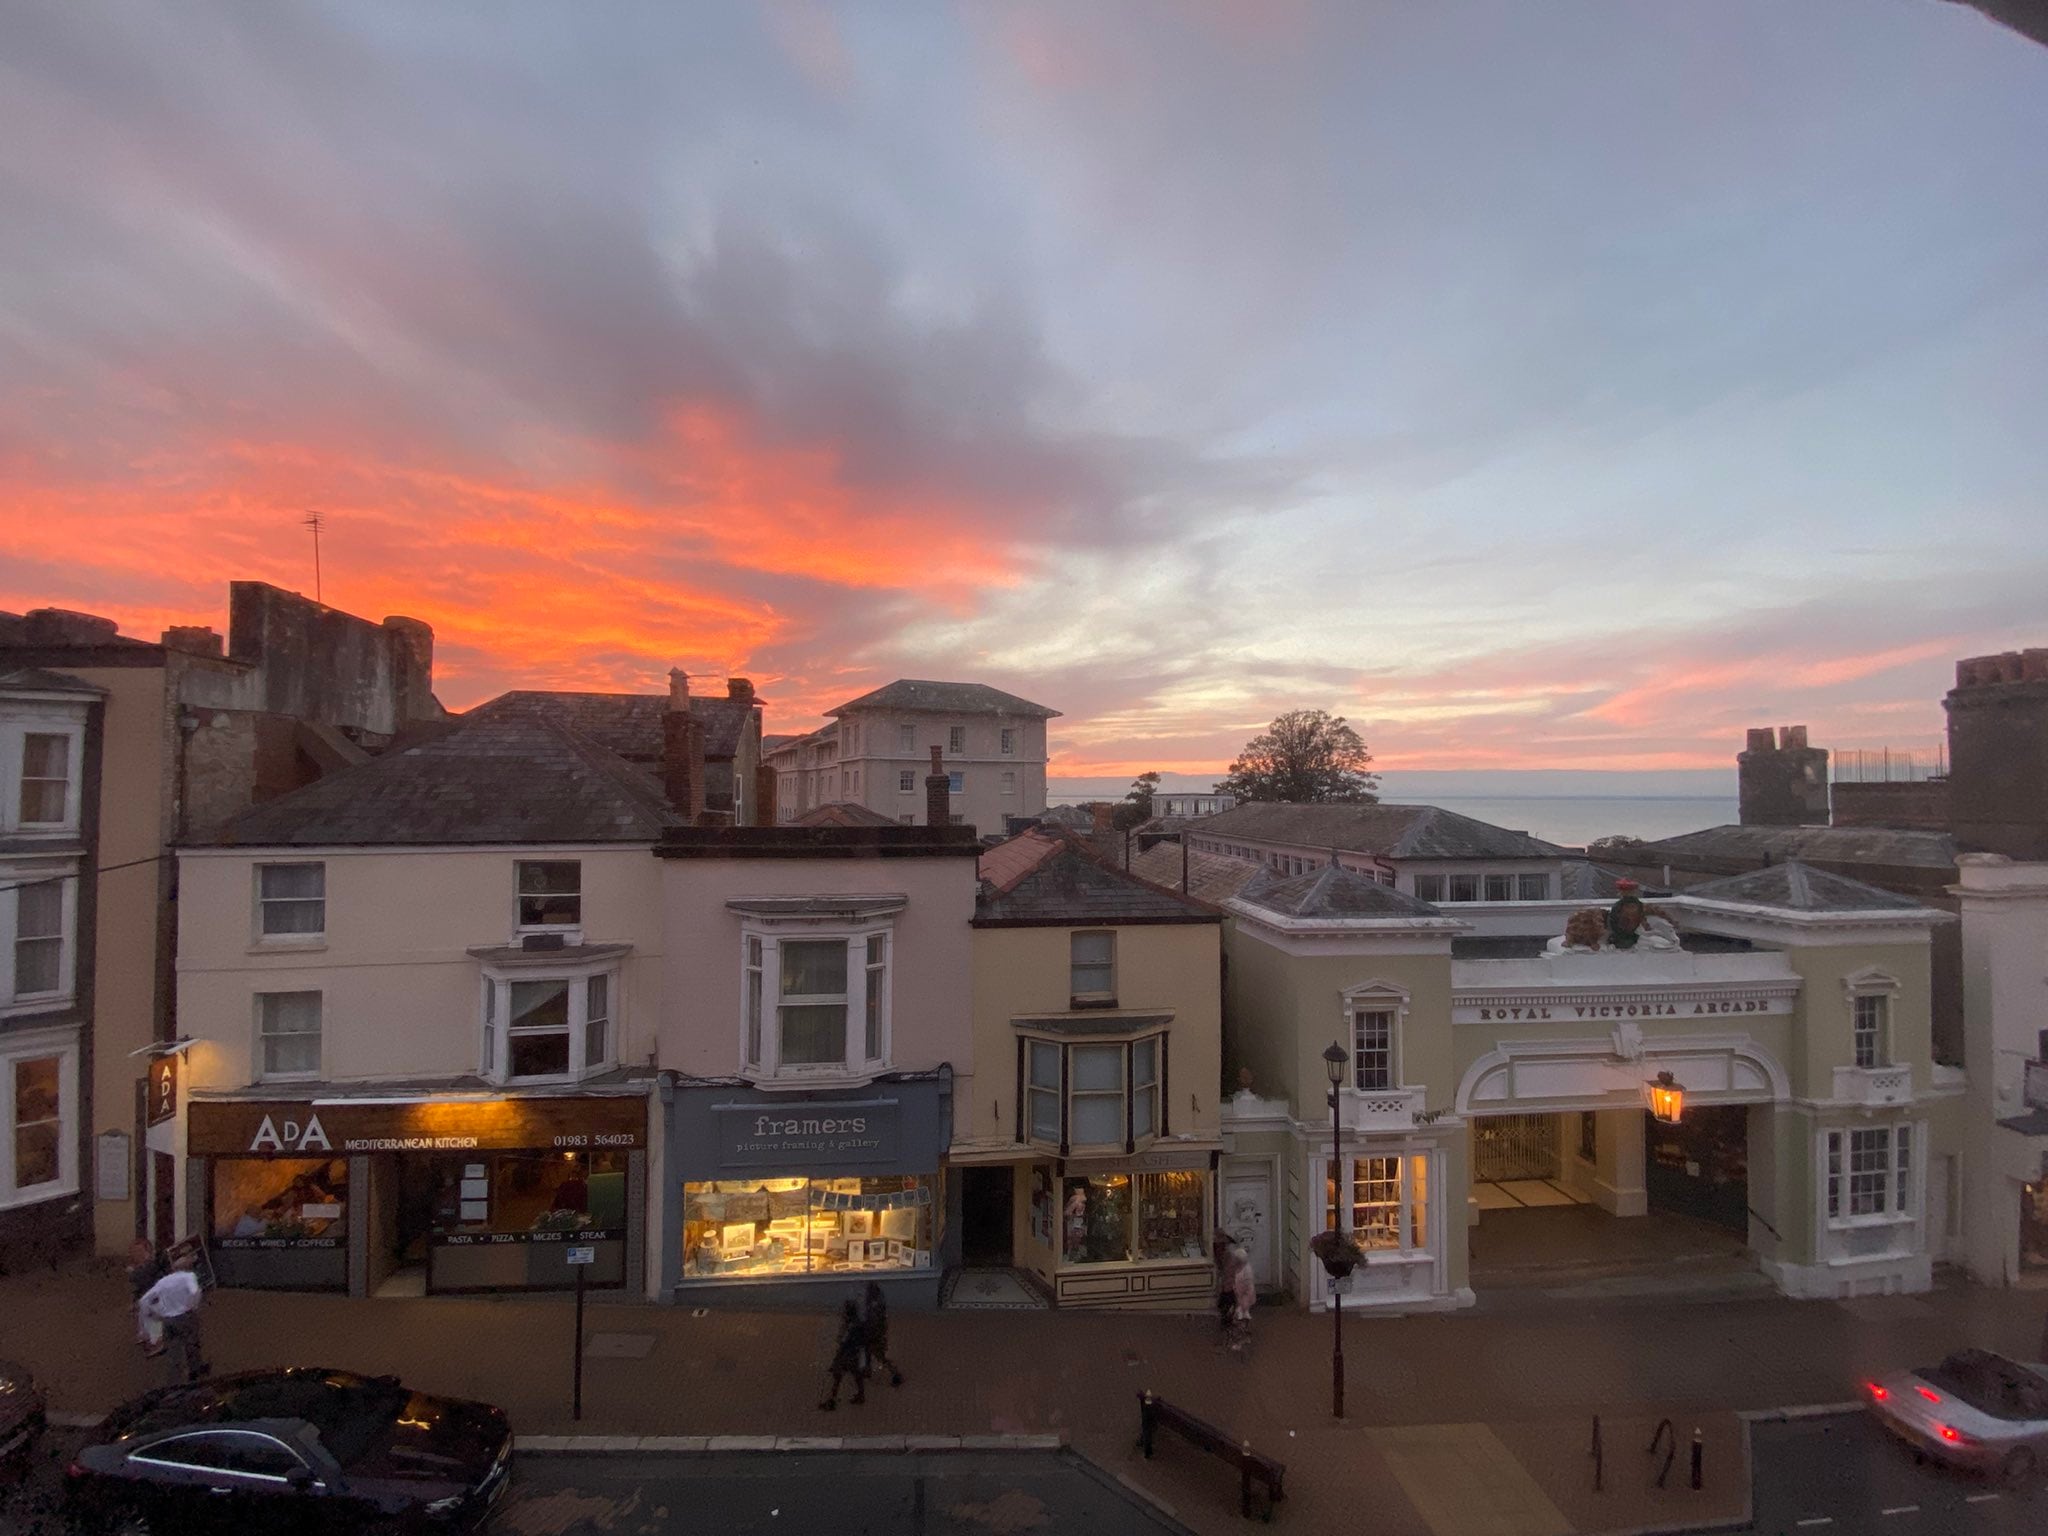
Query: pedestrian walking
145,1268
1220,1251
1243,1294
875,1326
849,1356
174,1302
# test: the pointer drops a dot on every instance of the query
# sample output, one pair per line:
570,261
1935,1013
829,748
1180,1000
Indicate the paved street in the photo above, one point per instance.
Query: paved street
1843,1475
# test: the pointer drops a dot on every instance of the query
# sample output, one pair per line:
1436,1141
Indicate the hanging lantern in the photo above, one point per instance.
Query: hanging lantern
1666,1096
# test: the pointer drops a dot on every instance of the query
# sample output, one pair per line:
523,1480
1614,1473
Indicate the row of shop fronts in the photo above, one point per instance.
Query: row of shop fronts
687,1190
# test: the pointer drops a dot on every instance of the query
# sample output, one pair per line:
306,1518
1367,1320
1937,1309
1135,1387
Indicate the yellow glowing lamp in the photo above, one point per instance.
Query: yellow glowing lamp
1667,1098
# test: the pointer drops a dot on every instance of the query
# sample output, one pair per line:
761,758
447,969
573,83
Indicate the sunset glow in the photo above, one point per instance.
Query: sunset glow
1679,371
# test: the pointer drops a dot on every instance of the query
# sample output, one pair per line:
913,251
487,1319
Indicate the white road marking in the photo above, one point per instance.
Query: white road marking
1901,1509
1979,1498
1817,1520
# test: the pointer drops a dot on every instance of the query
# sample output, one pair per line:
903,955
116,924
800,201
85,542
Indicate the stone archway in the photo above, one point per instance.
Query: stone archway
1608,1072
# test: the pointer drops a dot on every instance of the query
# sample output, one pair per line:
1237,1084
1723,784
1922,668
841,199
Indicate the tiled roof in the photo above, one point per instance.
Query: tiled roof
1212,877
913,693
1391,831
1079,817
1584,881
1331,891
1799,887
770,741
1053,879
1890,846
630,724
843,813
516,776
41,680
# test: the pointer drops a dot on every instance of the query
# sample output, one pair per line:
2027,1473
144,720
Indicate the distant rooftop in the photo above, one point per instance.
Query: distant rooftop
1889,846
1331,891
1390,831
1047,876
1796,887
920,695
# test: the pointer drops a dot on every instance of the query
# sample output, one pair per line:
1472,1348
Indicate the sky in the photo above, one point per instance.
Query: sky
1552,386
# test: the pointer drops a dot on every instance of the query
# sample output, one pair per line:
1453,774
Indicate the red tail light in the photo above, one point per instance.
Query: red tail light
1954,1436
1876,1391
1929,1394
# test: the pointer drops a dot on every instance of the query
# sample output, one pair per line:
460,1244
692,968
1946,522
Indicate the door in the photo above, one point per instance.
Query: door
987,1199
1247,1200
1700,1166
1508,1147
163,1200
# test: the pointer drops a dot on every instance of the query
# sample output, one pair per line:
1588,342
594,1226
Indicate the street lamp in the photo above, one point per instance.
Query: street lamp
1335,1247
1667,1098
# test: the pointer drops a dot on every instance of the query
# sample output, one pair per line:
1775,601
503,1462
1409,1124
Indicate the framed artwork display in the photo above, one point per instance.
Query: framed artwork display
860,1224
878,1248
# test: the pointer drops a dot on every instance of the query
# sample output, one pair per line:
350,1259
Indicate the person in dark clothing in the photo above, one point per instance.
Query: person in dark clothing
1226,1300
875,1327
849,1357
145,1267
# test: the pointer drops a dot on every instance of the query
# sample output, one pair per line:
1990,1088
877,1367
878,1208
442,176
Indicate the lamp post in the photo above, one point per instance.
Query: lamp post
1335,1248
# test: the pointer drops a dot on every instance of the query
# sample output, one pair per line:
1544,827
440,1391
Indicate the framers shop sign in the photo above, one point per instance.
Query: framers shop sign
806,1137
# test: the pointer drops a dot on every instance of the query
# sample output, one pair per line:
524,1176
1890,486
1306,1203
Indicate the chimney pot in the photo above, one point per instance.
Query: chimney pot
1761,739
678,690
1792,736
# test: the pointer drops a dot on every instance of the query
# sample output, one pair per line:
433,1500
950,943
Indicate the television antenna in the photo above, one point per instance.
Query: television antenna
313,521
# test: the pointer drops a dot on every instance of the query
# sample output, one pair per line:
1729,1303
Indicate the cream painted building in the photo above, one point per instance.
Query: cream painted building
877,752
1085,1144
1818,1135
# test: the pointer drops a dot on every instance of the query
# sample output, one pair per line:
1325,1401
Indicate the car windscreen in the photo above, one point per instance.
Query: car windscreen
1991,1384
349,1412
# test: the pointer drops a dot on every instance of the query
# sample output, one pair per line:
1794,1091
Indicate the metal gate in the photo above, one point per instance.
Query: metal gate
1514,1147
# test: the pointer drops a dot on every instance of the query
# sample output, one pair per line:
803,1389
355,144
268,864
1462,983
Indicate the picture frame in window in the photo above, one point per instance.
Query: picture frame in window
878,1248
736,1240
900,1223
895,1251
860,1224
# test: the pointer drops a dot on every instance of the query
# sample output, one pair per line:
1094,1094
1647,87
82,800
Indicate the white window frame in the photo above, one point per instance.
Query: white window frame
571,932
1901,1169
27,1045
1436,891
1494,880
314,939
956,739
258,1072
1007,741
1064,1094
1100,997
1522,882
23,721
858,1065
956,782
1874,983
906,781
1405,1156
494,1058
1008,782
1375,995
906,738
13,876
1451,885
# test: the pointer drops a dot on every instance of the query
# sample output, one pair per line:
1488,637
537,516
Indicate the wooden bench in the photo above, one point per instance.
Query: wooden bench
1251,1466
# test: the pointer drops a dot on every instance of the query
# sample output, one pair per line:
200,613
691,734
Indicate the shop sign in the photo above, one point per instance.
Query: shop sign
807,1136
509,1239
1160,1160
1634,1004
163,1090
284,1129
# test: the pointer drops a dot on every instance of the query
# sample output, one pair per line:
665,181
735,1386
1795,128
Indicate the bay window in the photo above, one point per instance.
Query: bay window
1092,1096
48,767
1870,1173
548,1027
815,989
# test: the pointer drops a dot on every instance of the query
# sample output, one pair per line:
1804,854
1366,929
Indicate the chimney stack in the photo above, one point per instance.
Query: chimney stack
67,626
938,794
764,795
741,688
1105,818
682,751
195,639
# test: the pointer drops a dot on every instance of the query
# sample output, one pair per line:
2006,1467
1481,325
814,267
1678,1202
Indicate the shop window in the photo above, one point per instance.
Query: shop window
547,1028
1500,887
510,1194
279,1202
1532,887
1429,887
1389,1201
1464,888
2034,1227
1116,1218
778,1228
288,1031
1589,1135
1172,1215
38,953
1113,1093
1097,1220
1869,1173
550,894
1092,967
291,900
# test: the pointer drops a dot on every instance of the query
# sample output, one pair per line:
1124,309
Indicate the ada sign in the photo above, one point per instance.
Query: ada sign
282,1134
587,1255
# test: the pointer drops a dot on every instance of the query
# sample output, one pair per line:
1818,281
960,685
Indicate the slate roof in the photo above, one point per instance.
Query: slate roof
1212,877
1797,887
1585,881
41,680
515,776
1892,846
629,724
914,693
1331,891
1055,881
843,813
1391,831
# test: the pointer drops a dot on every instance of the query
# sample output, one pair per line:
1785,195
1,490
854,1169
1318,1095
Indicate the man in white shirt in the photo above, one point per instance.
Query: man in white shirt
174,1302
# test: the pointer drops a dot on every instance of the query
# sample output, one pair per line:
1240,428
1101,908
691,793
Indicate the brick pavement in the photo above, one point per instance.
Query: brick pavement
1486,1390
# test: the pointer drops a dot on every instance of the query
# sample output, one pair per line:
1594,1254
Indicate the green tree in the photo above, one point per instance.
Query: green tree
1609,847
1136,805
1306,756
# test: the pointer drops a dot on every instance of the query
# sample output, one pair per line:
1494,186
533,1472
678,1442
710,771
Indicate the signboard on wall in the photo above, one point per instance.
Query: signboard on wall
2035,1087
806,1135
163,1090
284,1128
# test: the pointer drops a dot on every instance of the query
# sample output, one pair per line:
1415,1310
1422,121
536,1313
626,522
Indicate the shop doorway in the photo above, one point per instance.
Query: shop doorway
1699,1167
410,1227
987,1200
163,1200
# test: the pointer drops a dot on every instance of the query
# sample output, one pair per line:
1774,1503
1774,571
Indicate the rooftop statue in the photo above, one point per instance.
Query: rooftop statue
1628,924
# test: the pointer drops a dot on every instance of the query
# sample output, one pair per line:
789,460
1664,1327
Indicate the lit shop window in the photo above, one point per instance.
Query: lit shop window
280,1202
1118,1218
783,1227
1389,1202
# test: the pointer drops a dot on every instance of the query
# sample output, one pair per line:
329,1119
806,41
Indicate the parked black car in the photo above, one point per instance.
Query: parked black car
21,1410
303,1450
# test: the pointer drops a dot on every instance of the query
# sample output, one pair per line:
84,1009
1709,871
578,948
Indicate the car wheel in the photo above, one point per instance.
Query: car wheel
2018,1466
